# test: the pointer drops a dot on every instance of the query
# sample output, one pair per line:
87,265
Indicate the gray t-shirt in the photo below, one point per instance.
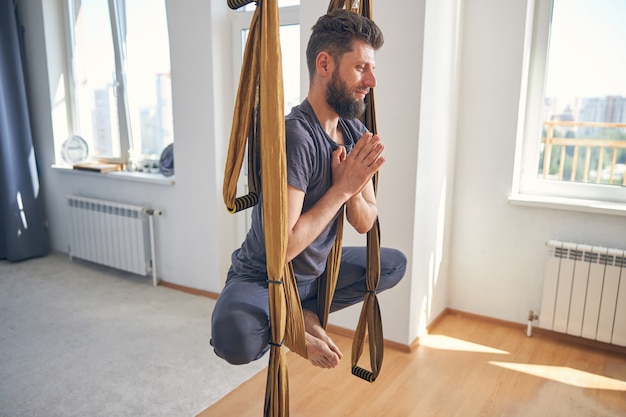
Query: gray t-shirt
309,150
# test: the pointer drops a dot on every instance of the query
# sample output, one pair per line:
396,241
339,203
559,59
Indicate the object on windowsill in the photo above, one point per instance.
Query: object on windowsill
74,150
166,163
100,167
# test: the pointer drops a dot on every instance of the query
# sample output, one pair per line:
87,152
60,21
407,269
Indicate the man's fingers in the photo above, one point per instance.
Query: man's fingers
361,143
374,155
368,148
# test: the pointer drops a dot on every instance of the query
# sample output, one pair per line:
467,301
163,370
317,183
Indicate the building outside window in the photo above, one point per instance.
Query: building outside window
574,137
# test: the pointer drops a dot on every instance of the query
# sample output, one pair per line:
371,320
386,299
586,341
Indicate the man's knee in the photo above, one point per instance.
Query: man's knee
393,267
239,337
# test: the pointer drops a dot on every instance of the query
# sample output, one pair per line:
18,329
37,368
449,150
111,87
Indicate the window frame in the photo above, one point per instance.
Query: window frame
126,145
527,186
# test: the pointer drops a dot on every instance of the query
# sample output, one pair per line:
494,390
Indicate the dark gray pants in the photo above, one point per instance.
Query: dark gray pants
240,330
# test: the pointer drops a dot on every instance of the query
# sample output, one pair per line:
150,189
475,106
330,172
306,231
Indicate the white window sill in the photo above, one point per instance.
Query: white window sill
120,175
571,204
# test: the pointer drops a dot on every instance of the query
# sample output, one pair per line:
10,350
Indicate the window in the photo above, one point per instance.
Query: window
573,143
120,94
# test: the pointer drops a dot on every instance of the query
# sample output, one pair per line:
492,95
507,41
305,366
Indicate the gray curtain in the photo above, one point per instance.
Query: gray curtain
23,233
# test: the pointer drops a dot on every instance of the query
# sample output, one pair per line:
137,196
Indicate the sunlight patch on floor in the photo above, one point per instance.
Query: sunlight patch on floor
566,375
437,341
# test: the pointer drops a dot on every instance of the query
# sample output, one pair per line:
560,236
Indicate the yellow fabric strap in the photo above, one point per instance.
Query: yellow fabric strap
370,321
258,120
328,282
274,191
245,120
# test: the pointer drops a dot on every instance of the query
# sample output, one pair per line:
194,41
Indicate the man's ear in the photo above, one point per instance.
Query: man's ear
323,64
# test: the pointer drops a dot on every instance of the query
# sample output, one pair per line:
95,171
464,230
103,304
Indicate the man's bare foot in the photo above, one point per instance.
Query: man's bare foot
320,348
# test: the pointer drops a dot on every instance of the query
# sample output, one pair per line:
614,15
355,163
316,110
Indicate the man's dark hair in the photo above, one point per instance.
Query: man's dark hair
335,33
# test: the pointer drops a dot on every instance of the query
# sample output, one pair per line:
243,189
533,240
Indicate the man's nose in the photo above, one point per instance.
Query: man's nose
370,79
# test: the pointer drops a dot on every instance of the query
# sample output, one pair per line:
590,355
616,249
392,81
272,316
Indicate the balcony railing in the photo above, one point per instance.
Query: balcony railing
584,159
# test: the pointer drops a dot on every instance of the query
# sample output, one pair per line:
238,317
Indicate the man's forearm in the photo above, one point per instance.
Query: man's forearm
311,223
361,213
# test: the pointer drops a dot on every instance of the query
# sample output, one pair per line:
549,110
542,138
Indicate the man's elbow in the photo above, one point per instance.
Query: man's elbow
362,227
363,230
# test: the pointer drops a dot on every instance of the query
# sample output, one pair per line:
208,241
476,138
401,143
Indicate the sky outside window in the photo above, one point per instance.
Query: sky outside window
586,55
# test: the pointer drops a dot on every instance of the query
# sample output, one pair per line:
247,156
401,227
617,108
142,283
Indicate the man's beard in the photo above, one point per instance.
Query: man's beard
341,99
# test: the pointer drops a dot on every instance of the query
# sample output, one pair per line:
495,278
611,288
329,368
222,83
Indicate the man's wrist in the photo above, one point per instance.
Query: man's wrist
341,195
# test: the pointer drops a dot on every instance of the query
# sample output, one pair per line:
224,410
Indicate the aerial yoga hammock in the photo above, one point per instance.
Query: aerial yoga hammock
258,123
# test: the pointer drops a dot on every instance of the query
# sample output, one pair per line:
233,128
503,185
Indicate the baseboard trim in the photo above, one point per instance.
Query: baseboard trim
581,341
493,320
189,290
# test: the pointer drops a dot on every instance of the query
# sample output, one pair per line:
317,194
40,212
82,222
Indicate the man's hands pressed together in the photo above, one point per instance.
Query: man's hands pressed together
352,172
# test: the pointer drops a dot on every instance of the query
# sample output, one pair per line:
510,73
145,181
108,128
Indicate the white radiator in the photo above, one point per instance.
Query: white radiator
114,234
584,292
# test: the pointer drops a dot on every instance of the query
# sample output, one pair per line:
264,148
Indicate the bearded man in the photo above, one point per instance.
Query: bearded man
331,158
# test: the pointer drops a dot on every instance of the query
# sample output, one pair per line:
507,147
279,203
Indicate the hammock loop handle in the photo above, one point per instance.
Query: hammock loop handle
244,202
364,374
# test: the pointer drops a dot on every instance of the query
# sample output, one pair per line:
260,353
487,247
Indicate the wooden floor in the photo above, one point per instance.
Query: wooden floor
464,367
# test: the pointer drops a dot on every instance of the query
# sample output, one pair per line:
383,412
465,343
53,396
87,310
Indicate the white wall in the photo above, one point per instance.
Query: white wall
435,163
448,119
498,251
